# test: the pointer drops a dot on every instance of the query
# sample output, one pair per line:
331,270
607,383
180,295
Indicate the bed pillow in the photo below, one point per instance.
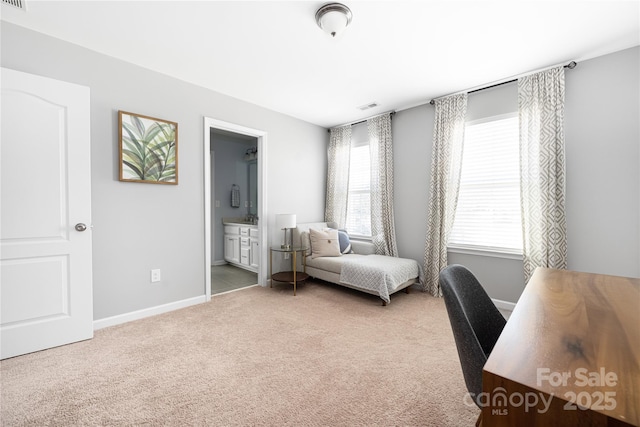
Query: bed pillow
345,242
324,243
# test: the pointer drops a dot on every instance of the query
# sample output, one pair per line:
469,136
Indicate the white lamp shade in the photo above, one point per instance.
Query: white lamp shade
285,221
333,22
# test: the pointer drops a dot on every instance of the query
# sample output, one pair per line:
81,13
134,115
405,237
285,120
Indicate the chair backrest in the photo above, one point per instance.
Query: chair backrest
475,320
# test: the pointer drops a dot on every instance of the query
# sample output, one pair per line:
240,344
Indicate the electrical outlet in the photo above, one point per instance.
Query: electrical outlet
217,203
155,276
286,255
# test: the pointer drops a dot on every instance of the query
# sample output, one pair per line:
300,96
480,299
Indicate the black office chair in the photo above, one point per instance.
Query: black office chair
475,320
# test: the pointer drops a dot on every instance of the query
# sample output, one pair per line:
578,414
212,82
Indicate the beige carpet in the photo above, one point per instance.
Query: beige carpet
329,356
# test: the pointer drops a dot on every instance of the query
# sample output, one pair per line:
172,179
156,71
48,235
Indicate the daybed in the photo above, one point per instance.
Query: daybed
360,269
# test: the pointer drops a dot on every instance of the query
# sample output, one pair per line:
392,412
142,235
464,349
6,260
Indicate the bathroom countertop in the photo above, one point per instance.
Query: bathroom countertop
238,221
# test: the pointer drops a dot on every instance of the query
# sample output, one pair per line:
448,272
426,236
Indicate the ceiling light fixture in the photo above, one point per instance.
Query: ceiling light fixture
333,18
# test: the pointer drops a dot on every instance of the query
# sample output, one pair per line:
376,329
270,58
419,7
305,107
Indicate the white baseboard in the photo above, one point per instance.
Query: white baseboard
147,312
218,263
505,305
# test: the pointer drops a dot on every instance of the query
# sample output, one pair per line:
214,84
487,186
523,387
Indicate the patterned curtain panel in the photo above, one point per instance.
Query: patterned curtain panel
448,138
339,154
542,169
383,230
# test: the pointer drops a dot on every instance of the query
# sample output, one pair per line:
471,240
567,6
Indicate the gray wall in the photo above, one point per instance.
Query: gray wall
138,227
603,164
603,182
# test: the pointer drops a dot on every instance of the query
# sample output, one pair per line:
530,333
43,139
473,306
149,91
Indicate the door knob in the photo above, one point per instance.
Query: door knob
81,227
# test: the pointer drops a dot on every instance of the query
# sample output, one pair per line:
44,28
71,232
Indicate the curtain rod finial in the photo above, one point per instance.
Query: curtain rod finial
572,65
432,102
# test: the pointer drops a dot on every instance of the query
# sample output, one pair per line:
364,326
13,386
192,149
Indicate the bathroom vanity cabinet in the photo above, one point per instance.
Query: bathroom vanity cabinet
241,245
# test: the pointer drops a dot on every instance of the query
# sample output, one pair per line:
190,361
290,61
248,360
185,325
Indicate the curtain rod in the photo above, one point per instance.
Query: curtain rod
391,113
571,65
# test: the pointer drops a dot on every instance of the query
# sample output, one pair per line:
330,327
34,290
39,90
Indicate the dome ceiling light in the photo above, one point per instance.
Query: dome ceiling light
333,18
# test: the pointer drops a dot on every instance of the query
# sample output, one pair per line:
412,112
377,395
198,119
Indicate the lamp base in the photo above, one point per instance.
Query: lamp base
285,245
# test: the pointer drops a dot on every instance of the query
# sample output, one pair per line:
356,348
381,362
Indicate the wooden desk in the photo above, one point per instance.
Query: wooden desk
573,338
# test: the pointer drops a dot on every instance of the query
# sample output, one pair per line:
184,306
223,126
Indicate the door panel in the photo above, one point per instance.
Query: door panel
46,275
22,278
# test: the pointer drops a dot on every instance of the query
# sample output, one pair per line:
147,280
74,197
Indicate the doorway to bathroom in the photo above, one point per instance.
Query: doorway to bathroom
234,186
234,204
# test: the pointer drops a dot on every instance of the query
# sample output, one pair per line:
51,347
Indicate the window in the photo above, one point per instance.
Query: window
359,199
488,209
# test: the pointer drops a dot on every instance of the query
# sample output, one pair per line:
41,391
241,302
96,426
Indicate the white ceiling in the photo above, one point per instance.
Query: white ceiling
397,53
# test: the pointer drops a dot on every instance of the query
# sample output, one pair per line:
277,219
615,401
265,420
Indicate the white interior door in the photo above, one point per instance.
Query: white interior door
46,295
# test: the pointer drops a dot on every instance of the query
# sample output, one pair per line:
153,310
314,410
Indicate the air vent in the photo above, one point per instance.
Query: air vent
20,4
368,106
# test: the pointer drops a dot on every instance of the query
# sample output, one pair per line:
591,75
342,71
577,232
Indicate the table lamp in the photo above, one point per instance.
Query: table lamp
284,221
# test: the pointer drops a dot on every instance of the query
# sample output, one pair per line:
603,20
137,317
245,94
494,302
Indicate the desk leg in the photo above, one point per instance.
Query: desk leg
294,273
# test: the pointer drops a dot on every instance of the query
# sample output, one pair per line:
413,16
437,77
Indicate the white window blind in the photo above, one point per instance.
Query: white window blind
488,209
359,204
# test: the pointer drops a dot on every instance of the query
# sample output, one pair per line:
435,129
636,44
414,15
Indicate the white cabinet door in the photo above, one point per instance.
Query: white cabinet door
45,231
232,248
255,253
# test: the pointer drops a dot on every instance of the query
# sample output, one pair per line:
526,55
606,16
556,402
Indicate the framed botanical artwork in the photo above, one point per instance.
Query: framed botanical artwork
148,149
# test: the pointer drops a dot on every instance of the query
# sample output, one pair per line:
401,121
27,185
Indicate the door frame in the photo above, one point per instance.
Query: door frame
211,123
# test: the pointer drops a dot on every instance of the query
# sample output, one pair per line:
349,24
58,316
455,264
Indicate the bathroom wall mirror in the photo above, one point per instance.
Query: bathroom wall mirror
253,187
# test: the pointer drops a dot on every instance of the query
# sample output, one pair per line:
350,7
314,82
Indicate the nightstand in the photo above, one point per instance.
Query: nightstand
292,276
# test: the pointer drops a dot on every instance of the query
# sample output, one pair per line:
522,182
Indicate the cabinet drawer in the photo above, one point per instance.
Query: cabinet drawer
245,241
244,256
231,229
253,232
244,231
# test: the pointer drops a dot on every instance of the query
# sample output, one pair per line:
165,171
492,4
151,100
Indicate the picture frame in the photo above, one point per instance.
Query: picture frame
148,149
